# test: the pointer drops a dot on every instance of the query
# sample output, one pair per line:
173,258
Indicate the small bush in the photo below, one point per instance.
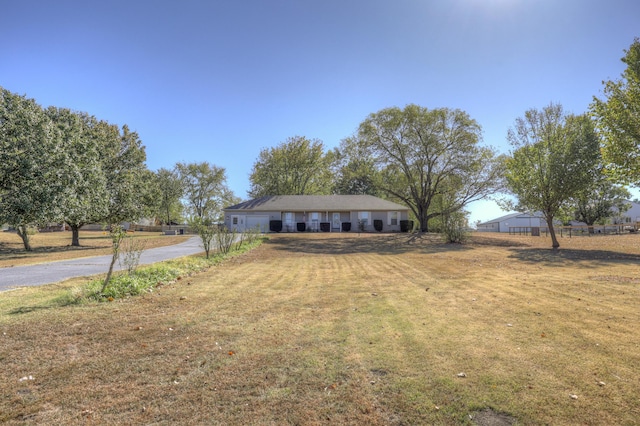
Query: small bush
225,238
453,228
131,250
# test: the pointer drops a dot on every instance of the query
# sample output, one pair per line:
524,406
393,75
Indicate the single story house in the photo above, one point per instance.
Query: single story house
329,213
513,220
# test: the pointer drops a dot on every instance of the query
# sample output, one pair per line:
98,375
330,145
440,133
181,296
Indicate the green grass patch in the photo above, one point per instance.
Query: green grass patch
145,279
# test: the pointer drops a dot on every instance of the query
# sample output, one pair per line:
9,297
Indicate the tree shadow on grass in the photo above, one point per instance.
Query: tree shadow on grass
59,302
16,254
386,244
28,309
562,257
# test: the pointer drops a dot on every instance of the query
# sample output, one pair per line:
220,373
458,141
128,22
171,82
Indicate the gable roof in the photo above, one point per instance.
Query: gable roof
316,203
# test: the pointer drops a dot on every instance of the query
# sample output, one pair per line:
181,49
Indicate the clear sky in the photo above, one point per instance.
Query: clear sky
217,81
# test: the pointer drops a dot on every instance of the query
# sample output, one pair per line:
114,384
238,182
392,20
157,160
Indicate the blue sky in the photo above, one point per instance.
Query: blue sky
217,81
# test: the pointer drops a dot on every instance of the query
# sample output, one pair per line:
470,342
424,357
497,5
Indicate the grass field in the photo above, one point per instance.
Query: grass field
344,329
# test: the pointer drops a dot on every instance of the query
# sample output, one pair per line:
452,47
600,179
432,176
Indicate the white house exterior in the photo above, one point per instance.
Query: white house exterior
514,222
329,213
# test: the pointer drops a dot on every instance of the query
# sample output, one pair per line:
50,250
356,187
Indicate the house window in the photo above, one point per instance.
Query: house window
393,218
363,217
234,220
289,218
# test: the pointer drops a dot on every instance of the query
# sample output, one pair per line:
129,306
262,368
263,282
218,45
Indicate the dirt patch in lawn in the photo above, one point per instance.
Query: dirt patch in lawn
488,417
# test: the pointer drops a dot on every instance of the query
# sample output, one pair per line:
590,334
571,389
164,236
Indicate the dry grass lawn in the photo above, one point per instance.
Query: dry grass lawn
52,246
344,329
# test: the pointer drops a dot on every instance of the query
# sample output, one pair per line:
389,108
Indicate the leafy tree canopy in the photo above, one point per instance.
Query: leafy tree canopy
83,179
124,164
205,190
298,166
30,149
170,190
554,157
618,118
601,201
426,155
354,169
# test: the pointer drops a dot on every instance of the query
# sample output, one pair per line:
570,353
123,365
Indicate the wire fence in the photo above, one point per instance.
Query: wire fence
577,230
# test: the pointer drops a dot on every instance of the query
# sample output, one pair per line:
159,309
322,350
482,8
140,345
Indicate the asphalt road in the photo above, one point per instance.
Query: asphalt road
48,273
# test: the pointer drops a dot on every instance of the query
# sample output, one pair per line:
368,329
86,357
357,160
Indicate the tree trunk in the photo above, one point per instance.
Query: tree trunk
106,281
423,218
24,234
75,235
554,240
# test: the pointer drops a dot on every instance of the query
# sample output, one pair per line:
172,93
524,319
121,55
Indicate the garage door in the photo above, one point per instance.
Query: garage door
255,221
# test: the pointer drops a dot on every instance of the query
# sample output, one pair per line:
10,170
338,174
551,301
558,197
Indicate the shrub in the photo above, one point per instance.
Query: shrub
453,227
225,238
131,249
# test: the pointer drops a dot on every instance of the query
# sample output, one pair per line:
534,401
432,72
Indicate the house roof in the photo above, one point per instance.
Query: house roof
316,203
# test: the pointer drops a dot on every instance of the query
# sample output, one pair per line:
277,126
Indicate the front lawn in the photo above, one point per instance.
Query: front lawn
343,329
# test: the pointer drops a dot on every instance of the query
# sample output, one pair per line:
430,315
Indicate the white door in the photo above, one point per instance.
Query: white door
335,223
258,221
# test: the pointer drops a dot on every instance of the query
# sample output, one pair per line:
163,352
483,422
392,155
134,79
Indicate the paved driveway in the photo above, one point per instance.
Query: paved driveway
47,273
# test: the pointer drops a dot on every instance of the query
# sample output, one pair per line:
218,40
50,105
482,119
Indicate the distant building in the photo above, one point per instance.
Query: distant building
512,220
517,222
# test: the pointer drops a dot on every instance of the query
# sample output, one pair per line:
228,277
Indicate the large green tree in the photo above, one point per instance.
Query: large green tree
600,201
205,190
127,174
30,149
554,156
354,169
424,154
618,118
170,190
85,198
297,166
